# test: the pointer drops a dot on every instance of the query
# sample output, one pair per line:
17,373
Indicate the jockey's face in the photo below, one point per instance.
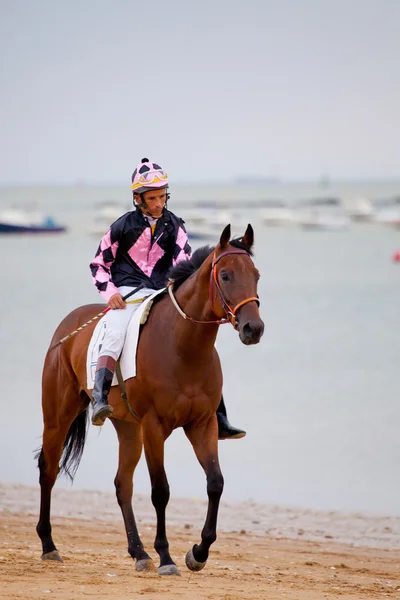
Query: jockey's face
155,201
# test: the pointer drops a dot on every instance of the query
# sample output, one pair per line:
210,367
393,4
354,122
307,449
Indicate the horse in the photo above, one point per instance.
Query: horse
178,383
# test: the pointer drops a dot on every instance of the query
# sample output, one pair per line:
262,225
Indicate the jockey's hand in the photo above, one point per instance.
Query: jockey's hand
116,301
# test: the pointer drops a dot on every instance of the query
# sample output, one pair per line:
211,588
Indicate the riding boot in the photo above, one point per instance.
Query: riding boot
225,429
102,385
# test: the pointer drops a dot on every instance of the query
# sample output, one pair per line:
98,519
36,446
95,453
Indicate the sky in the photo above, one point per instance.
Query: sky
211,90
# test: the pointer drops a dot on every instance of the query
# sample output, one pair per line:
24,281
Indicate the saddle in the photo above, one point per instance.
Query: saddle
127,360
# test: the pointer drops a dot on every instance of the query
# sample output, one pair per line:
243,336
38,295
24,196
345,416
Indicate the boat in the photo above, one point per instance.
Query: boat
360,210
218,219
318,221
207,223
201,232
275,213
105,214
322,214
387,211
18,220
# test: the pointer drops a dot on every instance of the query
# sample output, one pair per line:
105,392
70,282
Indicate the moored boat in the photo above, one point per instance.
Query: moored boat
322,214
387,211
105,214
276,213
14,220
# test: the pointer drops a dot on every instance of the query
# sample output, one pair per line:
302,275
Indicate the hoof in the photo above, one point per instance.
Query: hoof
146,564
192,563
168,570
53,555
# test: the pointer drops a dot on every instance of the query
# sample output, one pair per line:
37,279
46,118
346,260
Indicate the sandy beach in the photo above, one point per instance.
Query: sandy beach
261,551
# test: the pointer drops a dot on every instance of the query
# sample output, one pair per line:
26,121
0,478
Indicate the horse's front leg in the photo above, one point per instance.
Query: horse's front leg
154,438
130,450
204,440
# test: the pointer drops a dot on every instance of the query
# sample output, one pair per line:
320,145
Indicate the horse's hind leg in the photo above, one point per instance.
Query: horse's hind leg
130,449
205,444
48,474
63,425
153,438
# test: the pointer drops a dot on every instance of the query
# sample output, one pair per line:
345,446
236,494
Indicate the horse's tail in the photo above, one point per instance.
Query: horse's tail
72,448
74,445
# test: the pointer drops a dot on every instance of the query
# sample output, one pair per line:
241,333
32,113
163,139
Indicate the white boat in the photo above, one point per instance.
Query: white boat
238,221
320,221
202,233
387,211
322,214
195,217
361,209
276,213
207,223
105,214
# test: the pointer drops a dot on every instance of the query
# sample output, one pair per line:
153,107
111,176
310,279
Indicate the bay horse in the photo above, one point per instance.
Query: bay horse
178,384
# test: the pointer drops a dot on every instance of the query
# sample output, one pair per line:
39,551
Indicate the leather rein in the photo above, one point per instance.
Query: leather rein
230,313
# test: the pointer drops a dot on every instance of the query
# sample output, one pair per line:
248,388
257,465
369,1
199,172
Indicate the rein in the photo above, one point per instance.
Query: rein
230,313
101,314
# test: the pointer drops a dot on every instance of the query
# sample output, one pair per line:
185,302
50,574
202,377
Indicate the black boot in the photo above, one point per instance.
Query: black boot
102,384
225,429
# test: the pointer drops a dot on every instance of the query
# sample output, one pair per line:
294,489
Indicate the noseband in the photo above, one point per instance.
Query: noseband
230,313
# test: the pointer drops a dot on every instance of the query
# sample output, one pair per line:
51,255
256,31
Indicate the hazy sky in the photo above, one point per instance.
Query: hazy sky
211,90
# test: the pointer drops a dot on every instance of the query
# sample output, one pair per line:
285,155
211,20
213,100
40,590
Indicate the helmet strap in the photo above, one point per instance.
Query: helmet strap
144,205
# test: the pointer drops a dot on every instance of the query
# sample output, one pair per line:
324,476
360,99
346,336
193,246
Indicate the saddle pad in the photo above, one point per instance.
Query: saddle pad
128,355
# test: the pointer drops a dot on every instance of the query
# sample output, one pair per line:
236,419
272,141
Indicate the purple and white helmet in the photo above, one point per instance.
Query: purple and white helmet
148,176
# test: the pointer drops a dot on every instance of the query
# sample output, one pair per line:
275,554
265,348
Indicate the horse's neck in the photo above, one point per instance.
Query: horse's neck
193,298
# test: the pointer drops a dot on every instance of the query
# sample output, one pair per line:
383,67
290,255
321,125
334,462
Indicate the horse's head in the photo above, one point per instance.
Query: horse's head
235,280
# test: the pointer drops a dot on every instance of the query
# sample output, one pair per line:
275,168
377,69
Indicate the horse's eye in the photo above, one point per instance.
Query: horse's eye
224,276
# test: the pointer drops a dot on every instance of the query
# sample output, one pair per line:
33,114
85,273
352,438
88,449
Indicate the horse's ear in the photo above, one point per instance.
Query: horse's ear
248,237
225,236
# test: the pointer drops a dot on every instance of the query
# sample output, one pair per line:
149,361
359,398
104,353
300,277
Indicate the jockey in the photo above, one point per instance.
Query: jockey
139,248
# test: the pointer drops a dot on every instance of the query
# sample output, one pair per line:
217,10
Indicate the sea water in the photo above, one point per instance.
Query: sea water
319,396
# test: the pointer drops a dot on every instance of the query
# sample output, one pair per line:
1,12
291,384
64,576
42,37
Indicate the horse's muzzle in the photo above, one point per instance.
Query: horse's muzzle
251,332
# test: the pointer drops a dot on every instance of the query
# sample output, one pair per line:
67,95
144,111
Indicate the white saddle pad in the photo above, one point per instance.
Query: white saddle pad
128,355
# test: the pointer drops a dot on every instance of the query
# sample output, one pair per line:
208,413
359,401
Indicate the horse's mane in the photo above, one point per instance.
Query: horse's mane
184,269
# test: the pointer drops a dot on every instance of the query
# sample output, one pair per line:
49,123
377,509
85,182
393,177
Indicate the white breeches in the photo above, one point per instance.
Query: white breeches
117,321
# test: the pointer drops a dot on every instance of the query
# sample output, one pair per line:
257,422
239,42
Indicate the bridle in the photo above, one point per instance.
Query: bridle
230,313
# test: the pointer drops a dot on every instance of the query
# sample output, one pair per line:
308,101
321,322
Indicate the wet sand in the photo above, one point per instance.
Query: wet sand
262,552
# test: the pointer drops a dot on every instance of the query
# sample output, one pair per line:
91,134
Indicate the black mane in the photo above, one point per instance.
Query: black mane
184,269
